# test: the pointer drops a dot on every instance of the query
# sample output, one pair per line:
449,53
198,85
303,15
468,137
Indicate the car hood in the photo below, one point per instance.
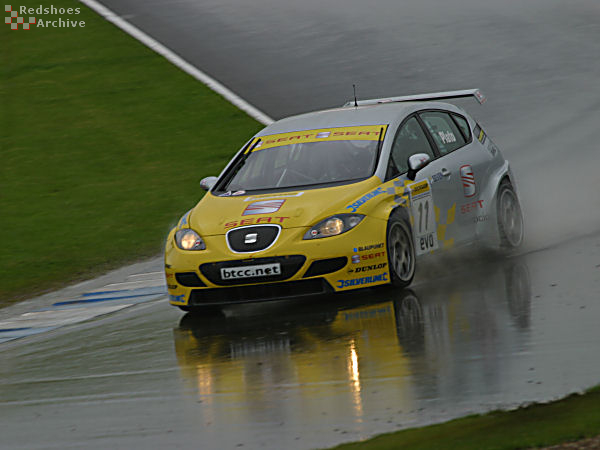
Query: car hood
215,215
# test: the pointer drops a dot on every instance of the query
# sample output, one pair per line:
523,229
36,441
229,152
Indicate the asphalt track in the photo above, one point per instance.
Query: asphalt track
302,375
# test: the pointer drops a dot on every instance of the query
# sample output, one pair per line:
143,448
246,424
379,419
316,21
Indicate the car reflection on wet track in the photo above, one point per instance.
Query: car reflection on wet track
352,352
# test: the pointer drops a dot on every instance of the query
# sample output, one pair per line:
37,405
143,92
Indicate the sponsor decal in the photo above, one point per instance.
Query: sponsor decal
468,180
177,298
470,207
364,280
266,197
356,259
368,247
225,194
263,207
447,137
369,256
419,189
184,219
478,219
372,267
263,270
437,177
479,95
365,198
479,133
170,275
172,286
363,133
239,193
423,215
254,221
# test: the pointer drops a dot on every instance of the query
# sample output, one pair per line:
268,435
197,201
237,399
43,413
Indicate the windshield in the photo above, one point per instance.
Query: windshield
315,157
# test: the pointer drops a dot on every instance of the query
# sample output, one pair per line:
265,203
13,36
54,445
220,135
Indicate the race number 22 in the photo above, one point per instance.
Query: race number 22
424,229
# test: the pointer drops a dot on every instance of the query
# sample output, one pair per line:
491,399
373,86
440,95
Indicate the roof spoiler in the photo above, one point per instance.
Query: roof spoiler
419,97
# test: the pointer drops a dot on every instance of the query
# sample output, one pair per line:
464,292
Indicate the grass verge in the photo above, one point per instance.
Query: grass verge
102,145
573,418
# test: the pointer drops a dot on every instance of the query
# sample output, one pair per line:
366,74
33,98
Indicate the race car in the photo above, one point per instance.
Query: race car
343,199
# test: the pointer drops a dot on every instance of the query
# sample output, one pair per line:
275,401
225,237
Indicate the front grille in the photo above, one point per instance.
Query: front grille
189,279
289,266
252,239
258,292
324,266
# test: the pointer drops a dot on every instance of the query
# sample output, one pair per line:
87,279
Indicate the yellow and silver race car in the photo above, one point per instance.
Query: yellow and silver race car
343,199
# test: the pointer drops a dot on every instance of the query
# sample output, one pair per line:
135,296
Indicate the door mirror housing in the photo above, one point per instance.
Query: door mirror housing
207,183
415,163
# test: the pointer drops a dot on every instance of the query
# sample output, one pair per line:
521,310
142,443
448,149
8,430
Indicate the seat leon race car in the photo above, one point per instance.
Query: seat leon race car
342,199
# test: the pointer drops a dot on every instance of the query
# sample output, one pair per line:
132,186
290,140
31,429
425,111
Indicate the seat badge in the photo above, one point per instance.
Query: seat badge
251,238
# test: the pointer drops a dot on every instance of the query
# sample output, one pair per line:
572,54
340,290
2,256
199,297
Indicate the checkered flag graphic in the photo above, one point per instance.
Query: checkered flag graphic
14,20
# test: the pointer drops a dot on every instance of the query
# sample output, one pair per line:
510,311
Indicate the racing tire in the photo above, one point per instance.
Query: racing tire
401,250
510,217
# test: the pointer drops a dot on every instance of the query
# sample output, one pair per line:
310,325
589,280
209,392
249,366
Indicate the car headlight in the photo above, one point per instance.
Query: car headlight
334,225
188,239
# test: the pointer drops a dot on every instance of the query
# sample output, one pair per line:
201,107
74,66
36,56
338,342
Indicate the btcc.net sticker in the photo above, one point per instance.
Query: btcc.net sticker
263,270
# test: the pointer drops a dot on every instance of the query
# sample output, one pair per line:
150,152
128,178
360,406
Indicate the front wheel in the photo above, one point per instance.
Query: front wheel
510,217
401,251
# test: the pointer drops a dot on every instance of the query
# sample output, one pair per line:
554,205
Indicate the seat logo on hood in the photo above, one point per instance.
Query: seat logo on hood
263,207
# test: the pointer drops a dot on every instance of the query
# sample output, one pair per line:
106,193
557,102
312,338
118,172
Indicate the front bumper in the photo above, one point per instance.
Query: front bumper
351,260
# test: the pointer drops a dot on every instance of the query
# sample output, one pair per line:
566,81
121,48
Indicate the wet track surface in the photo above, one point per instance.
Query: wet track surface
311,374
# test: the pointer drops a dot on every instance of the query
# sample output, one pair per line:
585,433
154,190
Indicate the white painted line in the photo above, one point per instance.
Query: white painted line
59,317
148,275
126,285
178,61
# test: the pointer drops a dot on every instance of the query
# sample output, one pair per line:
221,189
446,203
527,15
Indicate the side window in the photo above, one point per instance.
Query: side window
444,131
409,140
463,125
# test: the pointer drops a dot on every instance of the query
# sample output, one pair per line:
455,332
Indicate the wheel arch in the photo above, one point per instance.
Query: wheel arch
488,231
403,211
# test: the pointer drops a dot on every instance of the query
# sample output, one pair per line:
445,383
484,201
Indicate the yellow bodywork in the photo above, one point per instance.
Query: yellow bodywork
364,245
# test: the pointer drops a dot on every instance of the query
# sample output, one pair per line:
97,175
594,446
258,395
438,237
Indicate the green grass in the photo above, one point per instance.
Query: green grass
573,418
102,146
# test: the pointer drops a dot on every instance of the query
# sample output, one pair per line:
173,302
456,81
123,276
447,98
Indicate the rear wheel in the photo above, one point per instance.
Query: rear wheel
510,218
401,251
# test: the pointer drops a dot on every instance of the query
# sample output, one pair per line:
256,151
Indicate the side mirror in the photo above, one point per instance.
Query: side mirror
207,183
415,163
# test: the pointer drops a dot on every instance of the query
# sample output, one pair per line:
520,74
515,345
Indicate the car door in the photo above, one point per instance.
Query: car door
462,165
411,138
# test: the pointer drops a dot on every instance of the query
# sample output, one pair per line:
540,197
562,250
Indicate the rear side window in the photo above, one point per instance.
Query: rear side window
444,131
463,125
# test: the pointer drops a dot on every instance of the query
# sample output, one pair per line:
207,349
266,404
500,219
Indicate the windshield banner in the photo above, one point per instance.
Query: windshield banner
362,133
